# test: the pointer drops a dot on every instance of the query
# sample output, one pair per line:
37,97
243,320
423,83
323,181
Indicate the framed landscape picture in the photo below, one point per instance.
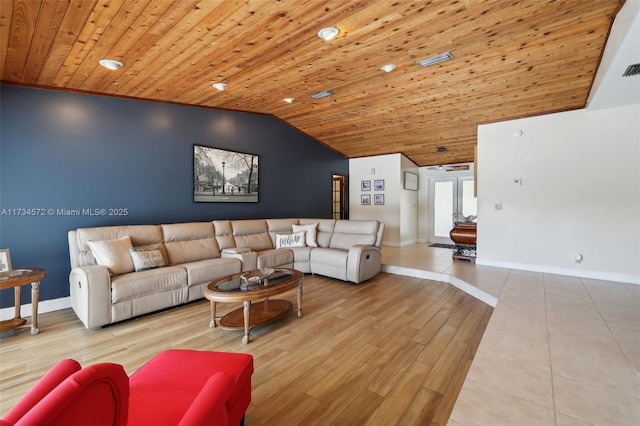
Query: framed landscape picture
378,185
365,185
378,199
222,176
365,199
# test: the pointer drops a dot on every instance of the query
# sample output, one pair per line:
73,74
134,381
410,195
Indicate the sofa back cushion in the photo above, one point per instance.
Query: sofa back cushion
252,234
279,226
324,230
224,234
190,242
348,233
141,235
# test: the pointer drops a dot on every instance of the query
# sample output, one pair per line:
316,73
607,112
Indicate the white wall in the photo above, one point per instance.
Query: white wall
408,206
580,193
609,88
399,212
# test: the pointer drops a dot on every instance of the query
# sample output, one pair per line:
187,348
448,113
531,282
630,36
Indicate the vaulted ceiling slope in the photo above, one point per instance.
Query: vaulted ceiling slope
512,58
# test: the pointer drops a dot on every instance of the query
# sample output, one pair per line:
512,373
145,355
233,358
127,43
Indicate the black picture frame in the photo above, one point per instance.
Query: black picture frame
365,199
378,199
224,176
365,185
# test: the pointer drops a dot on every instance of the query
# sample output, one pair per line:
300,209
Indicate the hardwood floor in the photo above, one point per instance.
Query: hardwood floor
393,350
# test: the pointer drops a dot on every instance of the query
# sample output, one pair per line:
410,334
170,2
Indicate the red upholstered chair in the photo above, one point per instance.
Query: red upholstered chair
49,381
177,387
96,395
212,387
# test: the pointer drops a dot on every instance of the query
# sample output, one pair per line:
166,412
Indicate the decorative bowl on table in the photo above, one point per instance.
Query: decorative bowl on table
256,276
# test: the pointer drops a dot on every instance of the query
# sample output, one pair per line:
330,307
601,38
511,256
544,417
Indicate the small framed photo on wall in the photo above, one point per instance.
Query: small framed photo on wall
365,185
378,185
5,262
365,199
378,199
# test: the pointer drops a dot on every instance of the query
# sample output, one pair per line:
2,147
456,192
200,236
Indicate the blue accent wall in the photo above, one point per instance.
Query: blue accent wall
73,151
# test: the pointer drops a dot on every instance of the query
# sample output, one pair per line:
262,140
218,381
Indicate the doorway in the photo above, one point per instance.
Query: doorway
449,198
340,197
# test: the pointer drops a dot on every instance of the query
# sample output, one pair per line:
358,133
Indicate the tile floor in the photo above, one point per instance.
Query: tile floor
558,350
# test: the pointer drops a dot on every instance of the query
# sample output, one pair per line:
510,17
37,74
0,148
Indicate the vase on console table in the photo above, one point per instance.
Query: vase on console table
463,235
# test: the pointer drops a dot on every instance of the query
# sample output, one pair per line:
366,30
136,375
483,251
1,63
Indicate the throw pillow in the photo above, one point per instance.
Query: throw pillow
290,240
114,254
311,231
148,258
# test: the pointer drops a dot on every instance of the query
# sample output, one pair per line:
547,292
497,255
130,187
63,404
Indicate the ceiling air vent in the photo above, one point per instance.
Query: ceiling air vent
435,59
322,94
631,70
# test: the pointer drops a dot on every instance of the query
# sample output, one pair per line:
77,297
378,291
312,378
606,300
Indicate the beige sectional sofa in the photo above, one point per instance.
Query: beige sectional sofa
119,272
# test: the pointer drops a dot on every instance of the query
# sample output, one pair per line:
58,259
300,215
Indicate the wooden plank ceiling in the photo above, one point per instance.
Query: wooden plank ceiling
512,59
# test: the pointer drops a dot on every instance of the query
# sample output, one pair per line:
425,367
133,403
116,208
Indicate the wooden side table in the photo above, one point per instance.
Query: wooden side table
17,279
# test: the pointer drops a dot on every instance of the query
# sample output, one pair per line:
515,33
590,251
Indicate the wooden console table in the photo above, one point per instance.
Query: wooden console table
17,279
464,235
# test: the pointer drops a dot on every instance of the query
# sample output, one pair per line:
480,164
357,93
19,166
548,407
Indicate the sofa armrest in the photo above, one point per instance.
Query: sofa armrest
209,407
90,290
364,262
248,257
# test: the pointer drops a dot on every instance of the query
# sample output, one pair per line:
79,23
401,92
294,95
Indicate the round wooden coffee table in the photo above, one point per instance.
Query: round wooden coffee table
233,288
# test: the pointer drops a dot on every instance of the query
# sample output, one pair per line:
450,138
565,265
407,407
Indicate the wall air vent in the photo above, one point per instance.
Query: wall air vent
435,59
322,94
631,70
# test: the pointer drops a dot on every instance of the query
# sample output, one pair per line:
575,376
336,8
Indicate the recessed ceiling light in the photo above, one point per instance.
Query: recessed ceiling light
289,100
220,86
111,64
328,33
435,59
388,67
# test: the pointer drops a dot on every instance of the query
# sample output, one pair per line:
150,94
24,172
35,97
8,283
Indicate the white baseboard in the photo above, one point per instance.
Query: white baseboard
43,307
400,243
445,278
573,272
391,244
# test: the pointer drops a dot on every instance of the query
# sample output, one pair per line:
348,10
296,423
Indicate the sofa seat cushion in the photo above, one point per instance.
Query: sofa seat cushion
301,254
330,262
274,258
187,371
138,284
333,257
204,271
